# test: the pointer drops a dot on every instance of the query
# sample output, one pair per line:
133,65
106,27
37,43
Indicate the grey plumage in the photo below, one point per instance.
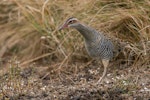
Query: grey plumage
97,45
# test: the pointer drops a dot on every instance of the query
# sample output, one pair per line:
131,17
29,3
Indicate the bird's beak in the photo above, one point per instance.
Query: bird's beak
62,26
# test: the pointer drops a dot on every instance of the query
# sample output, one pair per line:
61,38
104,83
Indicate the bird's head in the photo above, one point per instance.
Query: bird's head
70,22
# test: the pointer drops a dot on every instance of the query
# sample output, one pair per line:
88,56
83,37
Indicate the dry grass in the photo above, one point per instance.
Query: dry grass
29,29
29,32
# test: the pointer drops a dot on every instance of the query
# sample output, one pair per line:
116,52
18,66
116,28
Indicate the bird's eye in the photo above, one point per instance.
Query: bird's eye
71,22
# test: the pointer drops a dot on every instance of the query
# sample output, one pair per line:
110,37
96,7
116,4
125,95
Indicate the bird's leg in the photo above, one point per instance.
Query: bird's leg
105,64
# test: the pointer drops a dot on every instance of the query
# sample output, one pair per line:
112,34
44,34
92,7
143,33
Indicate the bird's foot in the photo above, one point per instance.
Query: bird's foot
99,81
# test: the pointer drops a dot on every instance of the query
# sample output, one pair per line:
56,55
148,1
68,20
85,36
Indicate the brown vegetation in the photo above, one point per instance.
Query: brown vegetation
28,30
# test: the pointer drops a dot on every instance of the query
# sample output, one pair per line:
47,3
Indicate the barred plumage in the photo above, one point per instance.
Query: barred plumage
97,45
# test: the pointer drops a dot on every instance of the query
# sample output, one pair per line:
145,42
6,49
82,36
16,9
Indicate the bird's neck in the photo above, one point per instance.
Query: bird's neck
87,32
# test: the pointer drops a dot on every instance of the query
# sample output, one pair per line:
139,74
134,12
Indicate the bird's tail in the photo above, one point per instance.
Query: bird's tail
119,46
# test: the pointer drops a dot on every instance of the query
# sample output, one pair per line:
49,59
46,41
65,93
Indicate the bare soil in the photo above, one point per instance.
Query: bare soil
47,83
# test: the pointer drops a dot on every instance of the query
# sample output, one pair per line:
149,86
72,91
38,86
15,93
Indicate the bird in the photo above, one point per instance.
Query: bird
98,46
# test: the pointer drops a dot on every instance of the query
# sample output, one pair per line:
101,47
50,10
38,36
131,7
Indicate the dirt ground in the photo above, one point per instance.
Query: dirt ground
79,83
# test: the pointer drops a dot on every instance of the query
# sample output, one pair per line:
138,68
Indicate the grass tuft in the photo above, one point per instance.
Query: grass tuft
29,29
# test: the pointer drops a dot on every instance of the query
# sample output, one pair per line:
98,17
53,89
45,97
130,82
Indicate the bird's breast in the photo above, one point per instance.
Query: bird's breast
93,48
102,49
